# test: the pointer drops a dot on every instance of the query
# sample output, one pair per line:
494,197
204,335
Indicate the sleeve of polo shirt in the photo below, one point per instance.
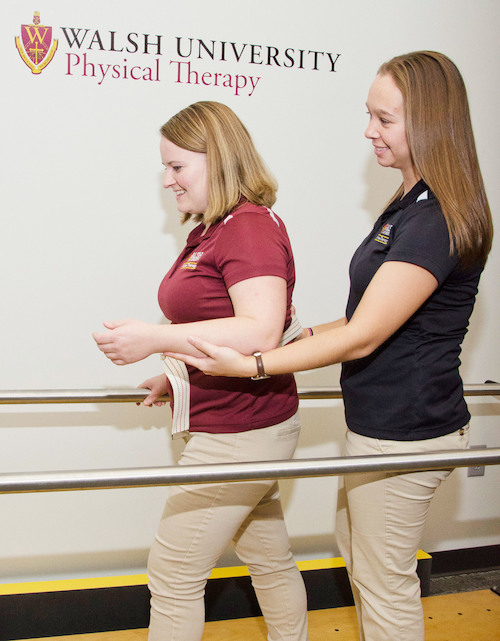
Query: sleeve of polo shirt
253,244
422,239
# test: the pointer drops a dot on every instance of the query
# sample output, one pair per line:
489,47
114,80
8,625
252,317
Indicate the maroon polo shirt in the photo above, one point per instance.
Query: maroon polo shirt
249,242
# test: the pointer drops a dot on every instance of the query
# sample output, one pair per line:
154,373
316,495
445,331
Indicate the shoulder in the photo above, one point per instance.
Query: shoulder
252,224
252,231
248,214
423,216
420,236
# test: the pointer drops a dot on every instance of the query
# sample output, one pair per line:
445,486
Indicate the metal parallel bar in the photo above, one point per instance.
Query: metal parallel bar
27,397
231,472
146,477
34,397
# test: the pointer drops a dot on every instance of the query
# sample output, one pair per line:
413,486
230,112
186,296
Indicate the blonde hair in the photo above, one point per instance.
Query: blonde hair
441,142
235,169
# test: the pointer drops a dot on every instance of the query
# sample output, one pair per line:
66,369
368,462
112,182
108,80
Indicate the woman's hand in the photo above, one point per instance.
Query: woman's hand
158,387
128,341
220,361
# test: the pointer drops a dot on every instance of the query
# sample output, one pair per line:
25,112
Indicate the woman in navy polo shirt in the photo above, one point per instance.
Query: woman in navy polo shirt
413,285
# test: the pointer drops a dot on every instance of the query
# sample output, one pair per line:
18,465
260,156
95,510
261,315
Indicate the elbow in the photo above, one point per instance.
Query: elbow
364,349
262,336
360,344
252,344
362,352
267,340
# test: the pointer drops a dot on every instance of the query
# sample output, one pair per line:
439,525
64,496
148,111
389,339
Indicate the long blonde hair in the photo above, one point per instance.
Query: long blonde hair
441,142
235,169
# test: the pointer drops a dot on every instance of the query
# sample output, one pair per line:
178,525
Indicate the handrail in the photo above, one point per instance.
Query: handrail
21,397
232,472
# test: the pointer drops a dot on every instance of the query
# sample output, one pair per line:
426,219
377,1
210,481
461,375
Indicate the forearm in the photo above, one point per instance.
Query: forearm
337,344
318,329
243,334
325,327
342,343
372,323
259,306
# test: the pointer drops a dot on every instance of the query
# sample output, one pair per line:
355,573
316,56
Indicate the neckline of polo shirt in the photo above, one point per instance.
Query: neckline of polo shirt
199,237
410,197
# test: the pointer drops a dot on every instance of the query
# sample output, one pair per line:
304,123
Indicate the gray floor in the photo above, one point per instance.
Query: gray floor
467,582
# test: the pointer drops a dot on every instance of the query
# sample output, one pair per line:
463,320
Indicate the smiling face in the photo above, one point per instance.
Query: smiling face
387,130
186,175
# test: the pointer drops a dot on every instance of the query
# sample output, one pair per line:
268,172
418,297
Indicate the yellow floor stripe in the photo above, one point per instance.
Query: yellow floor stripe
73,584
37,587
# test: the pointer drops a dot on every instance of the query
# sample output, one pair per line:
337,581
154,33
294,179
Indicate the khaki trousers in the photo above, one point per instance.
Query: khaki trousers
198,523
380,521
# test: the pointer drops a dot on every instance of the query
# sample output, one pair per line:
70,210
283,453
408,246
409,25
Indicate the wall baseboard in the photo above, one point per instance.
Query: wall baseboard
81,606
466,560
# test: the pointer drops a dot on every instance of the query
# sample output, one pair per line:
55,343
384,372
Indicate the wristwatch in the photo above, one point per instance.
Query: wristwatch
261,374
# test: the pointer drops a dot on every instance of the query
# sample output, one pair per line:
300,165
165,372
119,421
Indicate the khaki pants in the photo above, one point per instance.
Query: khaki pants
380,521
200,521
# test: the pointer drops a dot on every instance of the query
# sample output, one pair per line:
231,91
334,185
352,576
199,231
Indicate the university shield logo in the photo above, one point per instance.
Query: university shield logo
35,45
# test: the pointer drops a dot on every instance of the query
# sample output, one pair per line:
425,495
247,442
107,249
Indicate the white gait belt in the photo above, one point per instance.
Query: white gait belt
177,374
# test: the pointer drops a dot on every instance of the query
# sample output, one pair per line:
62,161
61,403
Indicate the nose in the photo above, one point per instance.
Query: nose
371,131
168,178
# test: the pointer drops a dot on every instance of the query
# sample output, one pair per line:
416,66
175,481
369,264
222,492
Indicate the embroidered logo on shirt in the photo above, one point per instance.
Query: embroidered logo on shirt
192,261
383,235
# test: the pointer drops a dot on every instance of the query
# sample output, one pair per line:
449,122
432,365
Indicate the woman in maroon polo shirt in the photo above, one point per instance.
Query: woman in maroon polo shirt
232,284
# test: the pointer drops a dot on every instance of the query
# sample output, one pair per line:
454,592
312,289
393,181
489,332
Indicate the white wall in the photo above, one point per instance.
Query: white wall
87,235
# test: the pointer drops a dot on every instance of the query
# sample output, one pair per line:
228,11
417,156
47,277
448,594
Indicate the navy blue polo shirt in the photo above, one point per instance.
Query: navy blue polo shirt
410,387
